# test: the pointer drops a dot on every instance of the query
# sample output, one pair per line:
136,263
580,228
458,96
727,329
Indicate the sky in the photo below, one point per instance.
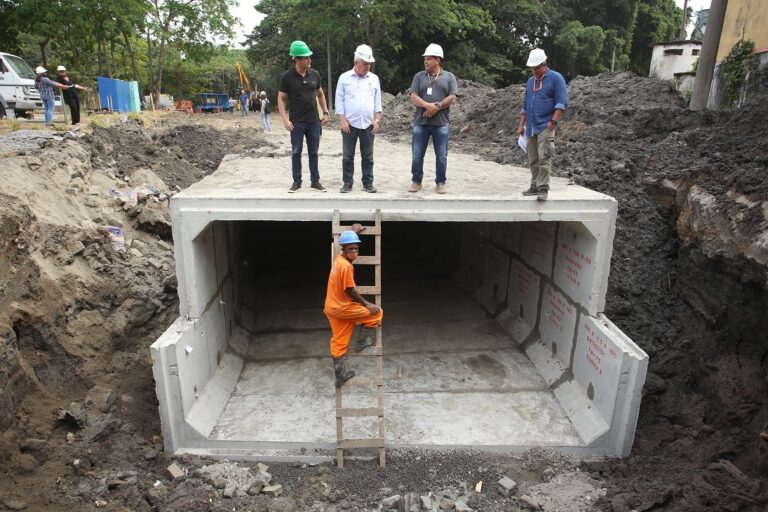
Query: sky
249,18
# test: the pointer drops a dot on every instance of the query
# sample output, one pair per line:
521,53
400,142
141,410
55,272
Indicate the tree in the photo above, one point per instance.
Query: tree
657,21
188,25
581,43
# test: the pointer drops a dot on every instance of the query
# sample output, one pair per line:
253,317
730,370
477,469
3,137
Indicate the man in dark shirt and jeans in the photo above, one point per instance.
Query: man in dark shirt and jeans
301,86
432,92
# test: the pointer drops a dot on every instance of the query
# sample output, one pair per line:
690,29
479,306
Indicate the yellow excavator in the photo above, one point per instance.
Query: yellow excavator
244,83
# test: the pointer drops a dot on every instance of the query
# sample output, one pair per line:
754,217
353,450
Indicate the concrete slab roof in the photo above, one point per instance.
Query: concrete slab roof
268,176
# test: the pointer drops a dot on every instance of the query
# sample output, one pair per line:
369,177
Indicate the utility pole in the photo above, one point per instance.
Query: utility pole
708,57
683,32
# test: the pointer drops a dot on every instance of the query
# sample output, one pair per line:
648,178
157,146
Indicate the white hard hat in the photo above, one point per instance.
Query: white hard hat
433,50
364,53
61,68
40,70
263,93
536,57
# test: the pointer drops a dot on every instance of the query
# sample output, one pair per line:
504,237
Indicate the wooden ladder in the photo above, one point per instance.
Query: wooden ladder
377,352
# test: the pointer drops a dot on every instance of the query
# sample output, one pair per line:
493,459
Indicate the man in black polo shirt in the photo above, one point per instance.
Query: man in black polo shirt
301,85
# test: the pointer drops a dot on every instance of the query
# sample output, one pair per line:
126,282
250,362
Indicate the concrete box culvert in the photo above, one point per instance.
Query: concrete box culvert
494,336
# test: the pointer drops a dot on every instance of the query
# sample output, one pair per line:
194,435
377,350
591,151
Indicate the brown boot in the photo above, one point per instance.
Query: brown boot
340,368
531,191
365,339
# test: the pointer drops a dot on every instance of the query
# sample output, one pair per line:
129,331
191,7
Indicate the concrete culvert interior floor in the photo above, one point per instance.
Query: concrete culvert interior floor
452,375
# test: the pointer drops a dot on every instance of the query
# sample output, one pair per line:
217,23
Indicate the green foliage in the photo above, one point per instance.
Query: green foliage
736,66
657,21
580,42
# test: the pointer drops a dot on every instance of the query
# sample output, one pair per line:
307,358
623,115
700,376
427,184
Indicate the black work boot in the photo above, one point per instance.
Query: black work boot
340,368
366,338
531,191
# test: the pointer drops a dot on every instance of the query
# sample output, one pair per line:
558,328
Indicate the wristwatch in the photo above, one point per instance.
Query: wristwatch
325,113
554,123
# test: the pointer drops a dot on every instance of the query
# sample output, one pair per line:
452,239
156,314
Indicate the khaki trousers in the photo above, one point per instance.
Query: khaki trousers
541,149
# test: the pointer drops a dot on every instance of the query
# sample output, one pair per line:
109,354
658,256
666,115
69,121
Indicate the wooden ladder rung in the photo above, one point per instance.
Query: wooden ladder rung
348,412
368,352
367,260
375,442
369,290
369,230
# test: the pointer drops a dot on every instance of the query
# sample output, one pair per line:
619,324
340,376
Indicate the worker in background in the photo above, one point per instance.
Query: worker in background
345,307
70,95
358,107
432,93
265,110
300,86
243,103
546,97
46,88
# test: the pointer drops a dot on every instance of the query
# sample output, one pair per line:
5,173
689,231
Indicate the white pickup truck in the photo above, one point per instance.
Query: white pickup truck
17,86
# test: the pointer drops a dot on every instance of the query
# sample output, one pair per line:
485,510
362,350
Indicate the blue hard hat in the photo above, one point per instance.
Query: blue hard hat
349,237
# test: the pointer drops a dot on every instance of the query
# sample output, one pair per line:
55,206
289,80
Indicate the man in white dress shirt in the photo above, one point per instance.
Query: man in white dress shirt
358,107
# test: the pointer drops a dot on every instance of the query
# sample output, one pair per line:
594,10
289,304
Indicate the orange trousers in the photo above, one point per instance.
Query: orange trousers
343,320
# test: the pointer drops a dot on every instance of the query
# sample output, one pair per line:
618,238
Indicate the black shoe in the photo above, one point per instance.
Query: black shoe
346,188
542,195
340,369
366,338
296,186
531,191
317,186
368,187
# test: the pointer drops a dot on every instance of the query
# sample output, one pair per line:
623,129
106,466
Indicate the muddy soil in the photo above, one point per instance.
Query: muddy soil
688,283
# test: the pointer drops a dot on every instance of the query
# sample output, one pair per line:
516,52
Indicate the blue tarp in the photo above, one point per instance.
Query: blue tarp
115,95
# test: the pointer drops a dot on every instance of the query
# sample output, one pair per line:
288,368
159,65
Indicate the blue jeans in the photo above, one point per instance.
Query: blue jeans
366,154
48,106
310,131
419,143
265,122
243,110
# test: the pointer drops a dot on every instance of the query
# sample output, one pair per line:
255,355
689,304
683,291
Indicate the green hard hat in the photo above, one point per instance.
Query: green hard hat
299,49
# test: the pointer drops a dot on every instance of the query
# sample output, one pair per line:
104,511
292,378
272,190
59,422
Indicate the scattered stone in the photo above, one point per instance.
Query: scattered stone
135,252
139,245
162,244
461,506
255,488
114,221
391,502
156,495
263,477
26,463
100,503
37,448
15,504
259,467
273,490
175,471
229,490
75,248
411,503
75,415
120,478
99,398
155,263
529,503
155,218
506,486
426,502
447,505
150,454
282,505
70,437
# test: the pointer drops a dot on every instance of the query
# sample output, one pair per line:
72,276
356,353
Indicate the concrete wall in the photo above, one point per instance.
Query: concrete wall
744,19
670,58
553,279
193,364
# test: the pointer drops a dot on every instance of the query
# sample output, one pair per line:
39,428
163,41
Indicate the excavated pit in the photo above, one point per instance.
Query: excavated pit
494,336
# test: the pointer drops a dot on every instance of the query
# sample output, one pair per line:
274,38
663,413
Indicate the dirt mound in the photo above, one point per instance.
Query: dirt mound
180,154
688,284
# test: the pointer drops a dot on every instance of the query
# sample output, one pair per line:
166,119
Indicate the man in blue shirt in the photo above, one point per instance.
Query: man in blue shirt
358,106
545,100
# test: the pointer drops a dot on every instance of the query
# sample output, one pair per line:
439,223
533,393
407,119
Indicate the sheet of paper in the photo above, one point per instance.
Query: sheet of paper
523,143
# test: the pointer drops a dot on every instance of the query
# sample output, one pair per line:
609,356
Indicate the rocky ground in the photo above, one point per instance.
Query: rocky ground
80,304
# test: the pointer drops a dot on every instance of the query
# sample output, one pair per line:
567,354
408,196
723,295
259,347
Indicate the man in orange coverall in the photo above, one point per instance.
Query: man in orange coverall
345,307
